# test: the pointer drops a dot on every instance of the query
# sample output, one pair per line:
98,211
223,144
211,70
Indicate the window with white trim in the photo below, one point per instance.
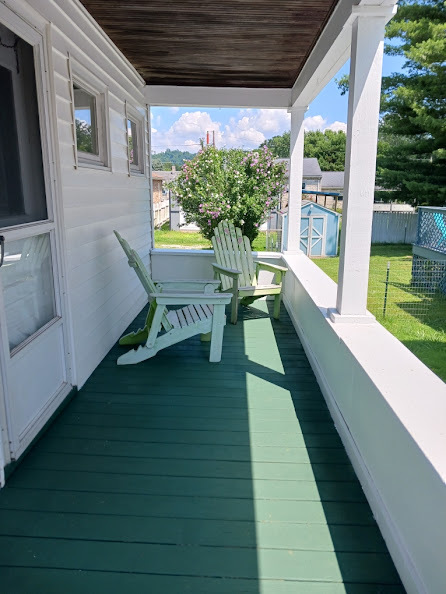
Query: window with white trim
90,108
135,140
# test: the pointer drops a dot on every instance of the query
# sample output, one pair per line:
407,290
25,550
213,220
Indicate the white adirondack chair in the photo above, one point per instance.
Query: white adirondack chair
239,272
204,313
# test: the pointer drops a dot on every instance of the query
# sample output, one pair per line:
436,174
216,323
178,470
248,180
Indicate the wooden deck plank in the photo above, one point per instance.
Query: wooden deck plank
187,531
75,582
193,468
228,478
200,487
224,562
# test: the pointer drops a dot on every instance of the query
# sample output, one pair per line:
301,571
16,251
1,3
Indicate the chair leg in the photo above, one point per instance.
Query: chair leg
234,308
218,324
277,300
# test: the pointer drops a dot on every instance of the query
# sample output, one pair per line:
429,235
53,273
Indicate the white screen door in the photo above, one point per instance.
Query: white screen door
32,351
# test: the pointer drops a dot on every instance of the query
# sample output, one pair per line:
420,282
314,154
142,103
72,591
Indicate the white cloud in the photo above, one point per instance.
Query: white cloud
248,129
174,109
336,126
314,123
185,133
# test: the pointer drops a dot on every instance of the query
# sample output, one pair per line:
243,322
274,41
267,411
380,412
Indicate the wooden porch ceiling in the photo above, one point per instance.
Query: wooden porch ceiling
232,43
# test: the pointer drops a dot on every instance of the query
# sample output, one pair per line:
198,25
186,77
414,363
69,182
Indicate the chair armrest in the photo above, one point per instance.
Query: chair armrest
191,298
188,285
231,272
271,267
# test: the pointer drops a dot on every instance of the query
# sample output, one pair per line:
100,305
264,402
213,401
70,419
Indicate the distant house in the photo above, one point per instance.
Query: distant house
332,181
161,201
157,184
312,174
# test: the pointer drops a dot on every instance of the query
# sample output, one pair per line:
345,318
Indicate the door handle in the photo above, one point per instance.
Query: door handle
2,249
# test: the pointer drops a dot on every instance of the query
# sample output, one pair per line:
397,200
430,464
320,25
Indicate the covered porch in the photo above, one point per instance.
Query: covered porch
180,476
263,473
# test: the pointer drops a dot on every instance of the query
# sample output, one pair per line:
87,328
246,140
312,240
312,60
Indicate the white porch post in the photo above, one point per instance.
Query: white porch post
360,163
295,179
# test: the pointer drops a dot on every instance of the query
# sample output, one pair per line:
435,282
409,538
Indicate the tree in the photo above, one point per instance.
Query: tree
411,161
279,145
328,147
84,137
221,184
168,158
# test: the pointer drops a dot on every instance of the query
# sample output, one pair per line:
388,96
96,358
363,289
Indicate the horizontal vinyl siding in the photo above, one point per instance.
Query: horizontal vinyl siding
104,293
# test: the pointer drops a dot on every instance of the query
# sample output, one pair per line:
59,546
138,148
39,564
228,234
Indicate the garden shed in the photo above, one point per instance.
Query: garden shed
319,230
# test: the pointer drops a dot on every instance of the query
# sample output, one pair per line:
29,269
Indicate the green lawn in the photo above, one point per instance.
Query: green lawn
416,319
164,238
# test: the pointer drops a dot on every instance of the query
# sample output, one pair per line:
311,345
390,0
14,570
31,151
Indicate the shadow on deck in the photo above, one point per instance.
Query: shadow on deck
177,475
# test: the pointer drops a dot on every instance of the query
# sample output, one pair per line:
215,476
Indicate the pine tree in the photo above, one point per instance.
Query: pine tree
412,148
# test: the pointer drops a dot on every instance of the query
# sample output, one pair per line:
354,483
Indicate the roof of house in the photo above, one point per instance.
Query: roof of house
311,167
166,176
332,180
227,43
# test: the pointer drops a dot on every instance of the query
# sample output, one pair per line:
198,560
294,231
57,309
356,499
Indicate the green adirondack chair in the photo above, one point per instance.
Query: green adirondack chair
204,313
239,272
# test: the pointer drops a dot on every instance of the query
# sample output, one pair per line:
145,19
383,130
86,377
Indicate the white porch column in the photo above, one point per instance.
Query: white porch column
360,162
295,179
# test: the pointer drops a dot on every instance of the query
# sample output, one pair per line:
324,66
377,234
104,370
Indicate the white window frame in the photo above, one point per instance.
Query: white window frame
138,118
85,79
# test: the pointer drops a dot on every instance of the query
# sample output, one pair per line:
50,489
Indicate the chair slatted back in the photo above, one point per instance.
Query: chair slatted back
137,264
233,250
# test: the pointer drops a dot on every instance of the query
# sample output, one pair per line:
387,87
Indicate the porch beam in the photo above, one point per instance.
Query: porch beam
360,164
295,179
332,49
239,97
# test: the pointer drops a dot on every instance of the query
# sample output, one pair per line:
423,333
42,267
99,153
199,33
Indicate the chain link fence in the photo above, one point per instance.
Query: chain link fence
409,287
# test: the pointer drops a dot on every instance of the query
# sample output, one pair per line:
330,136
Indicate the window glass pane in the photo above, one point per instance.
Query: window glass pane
133,143
86,121
22,186
28,289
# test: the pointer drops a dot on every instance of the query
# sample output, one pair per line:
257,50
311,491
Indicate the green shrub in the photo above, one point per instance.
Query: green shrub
221,184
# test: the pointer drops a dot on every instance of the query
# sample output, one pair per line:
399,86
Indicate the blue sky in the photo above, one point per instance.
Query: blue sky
181,128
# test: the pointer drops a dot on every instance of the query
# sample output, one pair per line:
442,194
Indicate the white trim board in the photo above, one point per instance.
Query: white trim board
174,96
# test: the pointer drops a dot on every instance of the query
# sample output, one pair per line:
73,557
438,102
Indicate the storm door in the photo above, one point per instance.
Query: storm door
31,325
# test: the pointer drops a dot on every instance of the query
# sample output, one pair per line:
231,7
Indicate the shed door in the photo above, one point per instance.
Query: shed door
312,235
32,352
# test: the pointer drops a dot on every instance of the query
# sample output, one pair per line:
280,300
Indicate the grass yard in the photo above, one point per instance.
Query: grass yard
416,319
164,238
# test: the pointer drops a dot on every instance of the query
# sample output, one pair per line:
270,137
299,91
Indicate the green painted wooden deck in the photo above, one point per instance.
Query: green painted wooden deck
178,475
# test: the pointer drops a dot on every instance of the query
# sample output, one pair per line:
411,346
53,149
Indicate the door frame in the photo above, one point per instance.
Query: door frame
32,28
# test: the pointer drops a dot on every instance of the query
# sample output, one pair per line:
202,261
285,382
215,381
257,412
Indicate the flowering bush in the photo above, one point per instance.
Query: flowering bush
220,184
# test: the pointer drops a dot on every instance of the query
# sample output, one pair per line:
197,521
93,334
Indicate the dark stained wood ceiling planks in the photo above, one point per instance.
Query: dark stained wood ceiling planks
234,43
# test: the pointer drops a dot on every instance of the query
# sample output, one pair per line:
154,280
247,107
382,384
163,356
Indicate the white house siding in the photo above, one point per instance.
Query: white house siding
103,292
